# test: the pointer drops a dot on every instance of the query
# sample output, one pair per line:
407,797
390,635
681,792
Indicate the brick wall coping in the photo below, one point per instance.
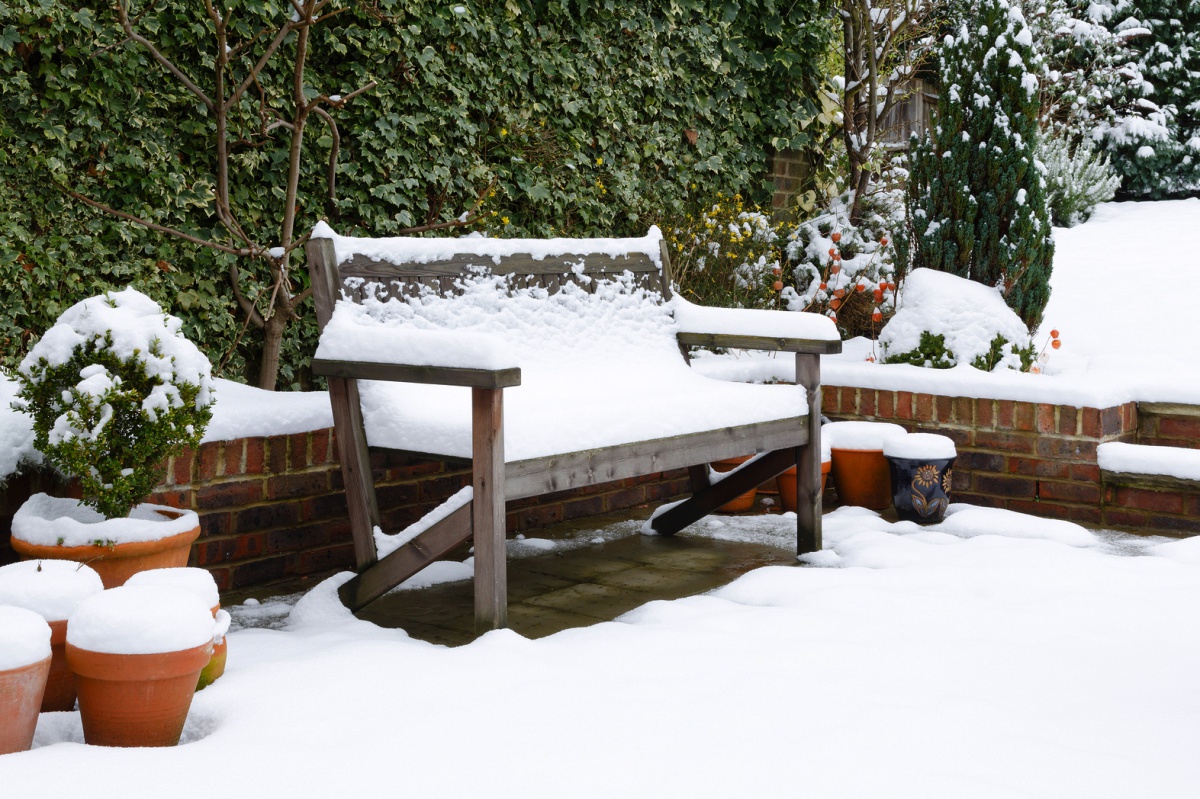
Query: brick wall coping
851,370
1179,466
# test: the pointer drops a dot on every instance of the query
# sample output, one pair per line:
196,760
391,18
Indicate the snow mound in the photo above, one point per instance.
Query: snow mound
141,620
50,588
920,446
967,314
46,521
24,638
195,581
968,520
860,435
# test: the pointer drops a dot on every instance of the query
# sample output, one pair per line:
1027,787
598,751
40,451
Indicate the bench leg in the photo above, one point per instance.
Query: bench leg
356,468
808,459
487,509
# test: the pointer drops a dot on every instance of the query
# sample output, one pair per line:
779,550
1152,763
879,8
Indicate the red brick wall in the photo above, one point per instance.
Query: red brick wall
1168,430
1028,457
273,508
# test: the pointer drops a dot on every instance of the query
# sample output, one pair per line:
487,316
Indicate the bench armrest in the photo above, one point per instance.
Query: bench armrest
744,328
415,373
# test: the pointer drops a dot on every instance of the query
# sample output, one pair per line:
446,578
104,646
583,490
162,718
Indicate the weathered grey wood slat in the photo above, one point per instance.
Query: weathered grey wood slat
727,341
1169,409
487,508
536,476
698,477
520,264
363,508
808,459
377,579
704,502
665,277
405,373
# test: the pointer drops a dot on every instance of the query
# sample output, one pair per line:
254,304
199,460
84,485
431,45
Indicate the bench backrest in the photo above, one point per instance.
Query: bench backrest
350,278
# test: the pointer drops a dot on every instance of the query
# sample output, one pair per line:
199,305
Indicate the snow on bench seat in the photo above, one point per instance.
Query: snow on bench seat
600,364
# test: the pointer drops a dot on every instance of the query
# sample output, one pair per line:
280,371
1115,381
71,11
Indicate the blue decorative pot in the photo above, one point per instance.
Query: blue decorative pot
920,487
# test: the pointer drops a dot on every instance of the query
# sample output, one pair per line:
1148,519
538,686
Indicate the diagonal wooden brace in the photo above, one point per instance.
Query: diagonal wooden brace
707,500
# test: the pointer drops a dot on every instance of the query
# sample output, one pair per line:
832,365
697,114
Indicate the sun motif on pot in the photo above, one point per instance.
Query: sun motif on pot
926,476
946,481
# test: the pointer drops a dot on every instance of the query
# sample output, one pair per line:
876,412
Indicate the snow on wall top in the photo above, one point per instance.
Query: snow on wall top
412,250
1177,462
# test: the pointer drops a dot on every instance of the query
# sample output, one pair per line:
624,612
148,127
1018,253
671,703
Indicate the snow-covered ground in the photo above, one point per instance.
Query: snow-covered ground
940,662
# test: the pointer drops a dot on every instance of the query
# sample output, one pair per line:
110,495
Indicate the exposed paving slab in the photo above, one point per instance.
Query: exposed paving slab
578,587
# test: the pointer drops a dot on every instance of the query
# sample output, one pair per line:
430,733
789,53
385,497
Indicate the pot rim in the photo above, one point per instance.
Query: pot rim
127,668
86,552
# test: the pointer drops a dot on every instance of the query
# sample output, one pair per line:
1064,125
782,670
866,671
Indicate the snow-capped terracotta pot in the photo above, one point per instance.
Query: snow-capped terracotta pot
24,667
860,472
136,700
52,589
137,653
742,502
201,583
787,485
42,522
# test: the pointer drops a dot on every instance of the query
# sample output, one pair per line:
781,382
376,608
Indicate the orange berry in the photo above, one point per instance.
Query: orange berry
860,287
833,270
833,316
822,287
833,252
1055,343
877,316
1053,334
891,286
835,304
883,242
878,295
777,271
836,237
777,285
839,293
882,285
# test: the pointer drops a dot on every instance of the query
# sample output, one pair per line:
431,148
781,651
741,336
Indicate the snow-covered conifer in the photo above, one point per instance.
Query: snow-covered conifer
976,194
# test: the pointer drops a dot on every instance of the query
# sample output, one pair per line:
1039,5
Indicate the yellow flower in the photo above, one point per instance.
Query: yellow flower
503,131
504,220
599,160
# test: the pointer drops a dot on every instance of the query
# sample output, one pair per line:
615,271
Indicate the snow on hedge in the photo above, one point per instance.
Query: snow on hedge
969,315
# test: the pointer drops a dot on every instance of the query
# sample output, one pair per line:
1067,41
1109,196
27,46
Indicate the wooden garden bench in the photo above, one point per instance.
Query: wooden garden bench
590,346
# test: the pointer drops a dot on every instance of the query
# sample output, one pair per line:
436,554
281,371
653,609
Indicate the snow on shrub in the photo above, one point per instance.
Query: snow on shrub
114,388
844,271
945,320
1076,182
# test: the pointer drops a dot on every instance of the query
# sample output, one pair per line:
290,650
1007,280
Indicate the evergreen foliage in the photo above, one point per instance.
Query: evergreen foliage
976,196
576,109
1163,163
1076,182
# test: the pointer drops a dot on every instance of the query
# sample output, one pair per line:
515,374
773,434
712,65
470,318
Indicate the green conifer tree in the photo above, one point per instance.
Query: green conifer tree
976,194
1157,163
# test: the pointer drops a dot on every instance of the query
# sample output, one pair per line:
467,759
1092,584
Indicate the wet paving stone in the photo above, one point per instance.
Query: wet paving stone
579,586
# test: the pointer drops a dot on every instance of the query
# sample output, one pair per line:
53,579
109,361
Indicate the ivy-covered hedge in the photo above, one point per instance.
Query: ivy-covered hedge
578,110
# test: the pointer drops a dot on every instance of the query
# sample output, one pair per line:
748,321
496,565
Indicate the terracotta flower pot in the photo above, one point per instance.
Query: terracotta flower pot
60,685
787,485
861,478
21,692
136,700
116,564
742,502
216,664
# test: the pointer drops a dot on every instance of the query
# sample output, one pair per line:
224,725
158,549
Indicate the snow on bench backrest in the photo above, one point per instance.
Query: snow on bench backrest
540,302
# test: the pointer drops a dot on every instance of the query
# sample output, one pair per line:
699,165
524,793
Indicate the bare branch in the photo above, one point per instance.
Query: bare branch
261,64
151,225
469,218
252,314
127,26
333,151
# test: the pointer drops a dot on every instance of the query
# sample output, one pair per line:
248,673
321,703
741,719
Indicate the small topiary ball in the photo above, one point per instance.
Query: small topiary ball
114,388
